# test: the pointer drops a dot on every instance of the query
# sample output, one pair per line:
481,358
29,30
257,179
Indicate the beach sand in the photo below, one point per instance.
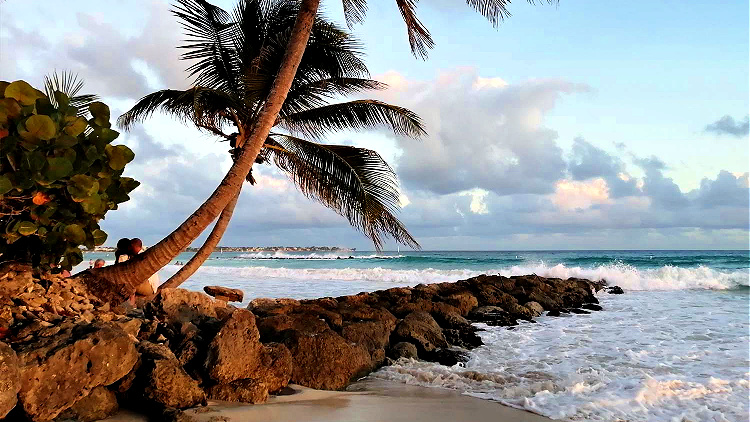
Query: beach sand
371,401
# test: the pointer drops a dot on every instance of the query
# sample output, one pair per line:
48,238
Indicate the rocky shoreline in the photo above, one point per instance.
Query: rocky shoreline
65,355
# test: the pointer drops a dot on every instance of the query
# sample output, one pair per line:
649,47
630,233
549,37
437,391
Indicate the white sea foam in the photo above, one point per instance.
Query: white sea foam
688,362
627,277
314,256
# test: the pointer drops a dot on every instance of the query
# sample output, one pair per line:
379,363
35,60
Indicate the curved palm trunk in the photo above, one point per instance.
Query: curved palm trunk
115,283
205,251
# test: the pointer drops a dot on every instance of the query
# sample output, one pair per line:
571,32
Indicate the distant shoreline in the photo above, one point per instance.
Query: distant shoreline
253,249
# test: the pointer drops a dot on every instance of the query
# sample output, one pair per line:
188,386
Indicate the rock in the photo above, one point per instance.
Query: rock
234,353
554,313
464,337
272,327
421,329
579,311
446,357
464,302
89,355
535,308
178,305
224,293
275,367
403,349
242,391
265,306
326,361
492,315
162,380
99,404
591,307
615,290
372,335
170,414
10,379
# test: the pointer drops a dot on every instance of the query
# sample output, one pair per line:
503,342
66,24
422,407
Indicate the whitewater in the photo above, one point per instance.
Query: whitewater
673,348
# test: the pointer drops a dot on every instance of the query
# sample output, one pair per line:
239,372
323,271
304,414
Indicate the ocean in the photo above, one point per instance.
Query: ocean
675,347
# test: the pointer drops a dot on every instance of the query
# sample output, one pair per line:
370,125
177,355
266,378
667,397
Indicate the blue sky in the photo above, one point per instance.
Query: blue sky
584,125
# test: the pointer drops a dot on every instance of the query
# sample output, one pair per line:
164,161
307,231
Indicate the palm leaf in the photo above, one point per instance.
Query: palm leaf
420,40
316,93
354,182
206,108
209,30
69,84
353,115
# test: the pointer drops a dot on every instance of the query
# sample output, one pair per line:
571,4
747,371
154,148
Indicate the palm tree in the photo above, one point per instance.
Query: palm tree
211,25
355,182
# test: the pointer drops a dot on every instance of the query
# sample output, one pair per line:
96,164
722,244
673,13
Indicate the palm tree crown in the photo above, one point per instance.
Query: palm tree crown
235,57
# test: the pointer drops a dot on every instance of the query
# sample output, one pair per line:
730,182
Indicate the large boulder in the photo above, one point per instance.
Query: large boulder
421,329
162,381
235,351
266,306
492,315
10,379
272,327
242,391
326,360
59,370
179,305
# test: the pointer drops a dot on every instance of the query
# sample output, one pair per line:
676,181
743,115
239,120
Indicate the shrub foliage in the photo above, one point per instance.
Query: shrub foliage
59,175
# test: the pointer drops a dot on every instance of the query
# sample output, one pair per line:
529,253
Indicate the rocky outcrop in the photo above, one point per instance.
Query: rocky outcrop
184,347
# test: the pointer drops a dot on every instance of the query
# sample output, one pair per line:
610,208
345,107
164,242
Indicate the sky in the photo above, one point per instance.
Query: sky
581,125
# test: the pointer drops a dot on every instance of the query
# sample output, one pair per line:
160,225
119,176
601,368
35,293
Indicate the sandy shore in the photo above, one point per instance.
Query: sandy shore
372,401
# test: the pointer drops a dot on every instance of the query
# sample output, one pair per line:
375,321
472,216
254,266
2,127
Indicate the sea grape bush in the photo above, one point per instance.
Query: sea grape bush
59,175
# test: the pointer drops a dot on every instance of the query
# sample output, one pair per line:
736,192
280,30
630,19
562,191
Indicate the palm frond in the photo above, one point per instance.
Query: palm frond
420,40
209,41
307,95
354,11
69,84
353,115
354,182
206,108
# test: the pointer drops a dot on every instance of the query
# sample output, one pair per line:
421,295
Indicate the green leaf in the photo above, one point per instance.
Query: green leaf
81,187
66,141
26,228
23,93
5,185
44,106
41,127
100,111
62,99
74,233
99,237
93,205
119,156
128,184
9,109
58,167
74,125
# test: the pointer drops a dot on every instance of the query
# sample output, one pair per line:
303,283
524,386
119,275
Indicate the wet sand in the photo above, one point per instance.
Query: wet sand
369,401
